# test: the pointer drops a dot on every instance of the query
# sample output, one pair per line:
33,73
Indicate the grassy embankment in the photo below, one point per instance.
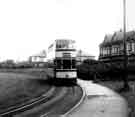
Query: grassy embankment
19,86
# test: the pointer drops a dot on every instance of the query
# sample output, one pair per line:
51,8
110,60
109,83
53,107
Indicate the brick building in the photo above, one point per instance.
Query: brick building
111,49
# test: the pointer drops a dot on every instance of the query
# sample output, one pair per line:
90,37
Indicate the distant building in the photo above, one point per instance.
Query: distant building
111,49
7,63
81,56
38,59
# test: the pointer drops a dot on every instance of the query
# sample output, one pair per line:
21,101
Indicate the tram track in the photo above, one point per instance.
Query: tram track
46,107
55,103
67,111
51,103
36,101
77,104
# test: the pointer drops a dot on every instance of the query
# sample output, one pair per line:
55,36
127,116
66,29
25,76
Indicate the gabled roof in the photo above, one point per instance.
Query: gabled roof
117,37
108,38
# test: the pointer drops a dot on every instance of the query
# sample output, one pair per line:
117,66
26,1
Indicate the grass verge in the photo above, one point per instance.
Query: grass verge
16,88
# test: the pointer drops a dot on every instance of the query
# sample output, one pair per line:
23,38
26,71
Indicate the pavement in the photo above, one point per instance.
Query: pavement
100,101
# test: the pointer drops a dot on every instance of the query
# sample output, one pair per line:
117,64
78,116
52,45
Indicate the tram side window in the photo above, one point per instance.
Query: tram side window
73,64
58,64
66,64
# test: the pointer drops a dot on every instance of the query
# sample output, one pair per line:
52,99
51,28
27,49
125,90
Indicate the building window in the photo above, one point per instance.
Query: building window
113,50
116,50
105,51
101,52
108,51
129,47
133,47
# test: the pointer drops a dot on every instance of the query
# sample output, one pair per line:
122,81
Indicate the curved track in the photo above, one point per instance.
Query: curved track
46,106
65,106
77,104
28,105
58,101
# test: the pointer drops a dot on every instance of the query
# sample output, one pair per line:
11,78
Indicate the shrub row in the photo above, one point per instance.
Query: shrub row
96,70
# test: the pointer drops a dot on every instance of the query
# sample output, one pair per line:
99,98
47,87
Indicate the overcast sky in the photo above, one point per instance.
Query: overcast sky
29,26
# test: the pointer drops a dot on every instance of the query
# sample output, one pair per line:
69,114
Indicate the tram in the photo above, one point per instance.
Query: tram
63,55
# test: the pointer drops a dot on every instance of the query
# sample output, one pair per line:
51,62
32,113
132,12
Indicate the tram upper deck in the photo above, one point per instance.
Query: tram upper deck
62,48
65,45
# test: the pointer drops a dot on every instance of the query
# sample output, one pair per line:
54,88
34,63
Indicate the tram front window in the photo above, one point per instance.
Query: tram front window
66,64
73,64
58,64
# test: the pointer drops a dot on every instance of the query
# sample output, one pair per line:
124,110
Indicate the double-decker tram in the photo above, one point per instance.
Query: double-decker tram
64,58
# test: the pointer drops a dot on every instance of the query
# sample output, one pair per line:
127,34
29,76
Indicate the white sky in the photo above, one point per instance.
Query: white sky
29,26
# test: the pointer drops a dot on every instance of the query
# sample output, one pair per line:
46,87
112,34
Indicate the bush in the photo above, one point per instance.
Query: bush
86,70
93,70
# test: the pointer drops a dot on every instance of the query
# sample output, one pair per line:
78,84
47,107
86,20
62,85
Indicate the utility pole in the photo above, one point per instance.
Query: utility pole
125,75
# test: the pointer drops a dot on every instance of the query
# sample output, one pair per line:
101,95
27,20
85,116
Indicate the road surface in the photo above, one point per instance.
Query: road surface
100,102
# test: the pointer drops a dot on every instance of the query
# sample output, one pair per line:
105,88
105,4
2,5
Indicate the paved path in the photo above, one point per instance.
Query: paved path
100,102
